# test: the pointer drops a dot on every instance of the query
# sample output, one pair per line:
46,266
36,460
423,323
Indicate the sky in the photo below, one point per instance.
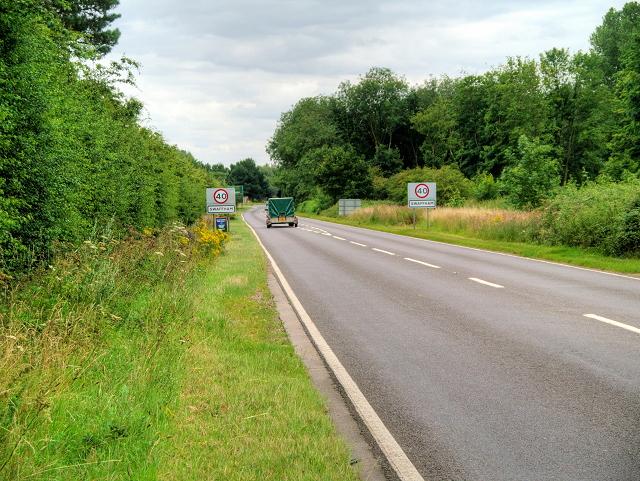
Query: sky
217,74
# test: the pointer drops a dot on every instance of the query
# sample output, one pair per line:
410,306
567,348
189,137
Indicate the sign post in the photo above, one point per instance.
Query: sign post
221,200
421,195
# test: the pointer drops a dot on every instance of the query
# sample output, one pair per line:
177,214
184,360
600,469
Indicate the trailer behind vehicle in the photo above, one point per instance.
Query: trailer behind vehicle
280,210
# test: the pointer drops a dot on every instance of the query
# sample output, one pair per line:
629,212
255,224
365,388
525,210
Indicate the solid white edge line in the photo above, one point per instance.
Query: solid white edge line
358,244
475,279
420,262
389,446
614,323
488,251
384,252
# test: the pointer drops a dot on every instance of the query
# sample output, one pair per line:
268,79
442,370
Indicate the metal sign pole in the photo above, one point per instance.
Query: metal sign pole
428,218
414,218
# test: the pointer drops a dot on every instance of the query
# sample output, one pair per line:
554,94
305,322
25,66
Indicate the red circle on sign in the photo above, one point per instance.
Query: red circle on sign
418,187
223,196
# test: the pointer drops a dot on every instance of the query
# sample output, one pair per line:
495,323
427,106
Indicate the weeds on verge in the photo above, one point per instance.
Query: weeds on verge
86,349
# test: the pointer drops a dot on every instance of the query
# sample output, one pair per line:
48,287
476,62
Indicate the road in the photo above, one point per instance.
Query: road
483,366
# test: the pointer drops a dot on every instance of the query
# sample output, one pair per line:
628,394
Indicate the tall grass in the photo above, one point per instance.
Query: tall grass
495,224
158,355
87,345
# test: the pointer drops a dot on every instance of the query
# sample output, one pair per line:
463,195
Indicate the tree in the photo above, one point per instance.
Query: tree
268,171
372,110
626,142
90,18
387,160
247,174
217,171
612,39
442,141
582,117
469,105
31,179
342,174
516,107
532,174
71,149
306,127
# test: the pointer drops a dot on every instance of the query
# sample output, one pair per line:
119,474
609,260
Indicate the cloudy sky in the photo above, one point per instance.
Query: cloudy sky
217,74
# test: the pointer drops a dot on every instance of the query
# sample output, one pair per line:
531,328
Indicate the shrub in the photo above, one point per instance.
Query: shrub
627,241
448,179
484,187
317,204
602,216
209,241
532,175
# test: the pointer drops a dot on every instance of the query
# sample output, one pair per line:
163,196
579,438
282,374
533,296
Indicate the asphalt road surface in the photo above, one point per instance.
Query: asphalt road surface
483,366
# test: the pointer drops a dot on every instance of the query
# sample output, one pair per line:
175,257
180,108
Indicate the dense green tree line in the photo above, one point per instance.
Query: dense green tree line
72,149
527,126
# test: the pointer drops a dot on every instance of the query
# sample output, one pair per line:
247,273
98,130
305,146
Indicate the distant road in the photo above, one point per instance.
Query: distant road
482,365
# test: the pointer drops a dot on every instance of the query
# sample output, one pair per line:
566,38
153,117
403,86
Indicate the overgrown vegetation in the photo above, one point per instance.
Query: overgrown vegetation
109,369
89,346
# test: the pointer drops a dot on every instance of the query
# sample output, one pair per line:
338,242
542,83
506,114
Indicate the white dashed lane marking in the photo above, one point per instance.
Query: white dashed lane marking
363,245
420,262
475,279
384,252
613,323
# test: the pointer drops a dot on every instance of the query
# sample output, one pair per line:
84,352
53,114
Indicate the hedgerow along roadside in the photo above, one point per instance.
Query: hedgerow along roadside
157,356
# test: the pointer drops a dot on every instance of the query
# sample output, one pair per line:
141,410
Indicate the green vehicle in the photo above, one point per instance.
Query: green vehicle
280,211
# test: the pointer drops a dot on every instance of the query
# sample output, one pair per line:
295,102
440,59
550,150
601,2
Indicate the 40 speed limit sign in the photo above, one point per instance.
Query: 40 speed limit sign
422,194
221,200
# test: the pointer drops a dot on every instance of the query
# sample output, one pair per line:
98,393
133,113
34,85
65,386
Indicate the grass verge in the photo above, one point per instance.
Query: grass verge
247,409
481,229
157,356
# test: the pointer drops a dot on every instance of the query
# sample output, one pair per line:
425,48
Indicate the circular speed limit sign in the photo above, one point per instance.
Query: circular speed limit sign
422,190
220,196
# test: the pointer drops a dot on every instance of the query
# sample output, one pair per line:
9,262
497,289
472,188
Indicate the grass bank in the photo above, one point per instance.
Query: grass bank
156,356
501,230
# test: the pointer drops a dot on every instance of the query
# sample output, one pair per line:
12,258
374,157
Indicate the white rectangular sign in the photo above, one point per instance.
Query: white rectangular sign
422,203
421,194
221,200
225,209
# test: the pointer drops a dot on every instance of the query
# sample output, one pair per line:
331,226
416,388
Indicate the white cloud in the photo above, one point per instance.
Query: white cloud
217,74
